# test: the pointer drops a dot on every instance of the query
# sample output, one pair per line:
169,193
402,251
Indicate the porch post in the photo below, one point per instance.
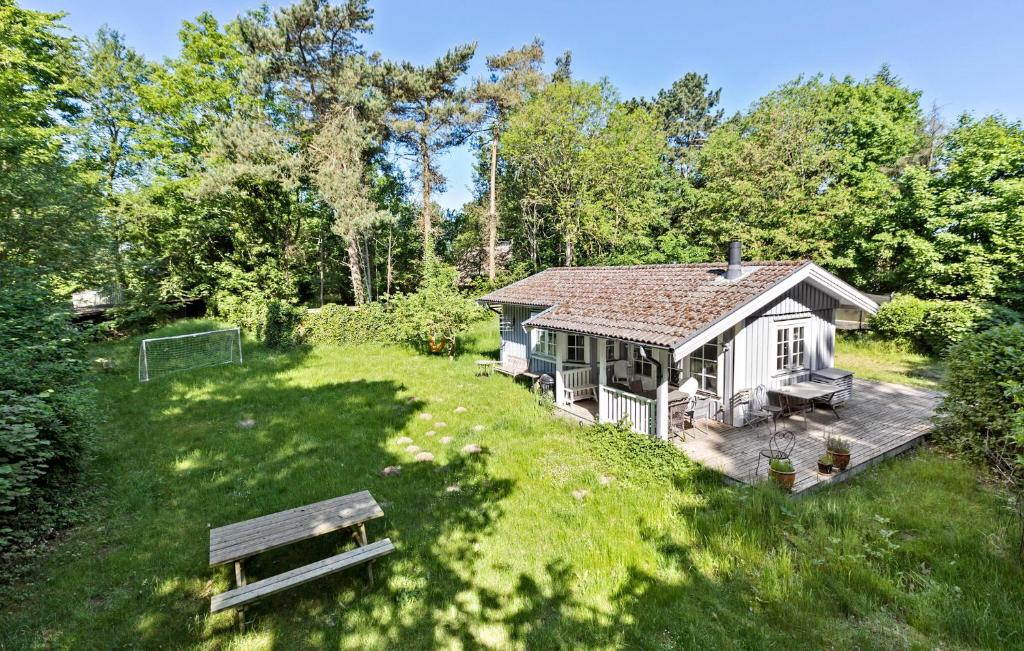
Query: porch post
665,357
602,363
560,347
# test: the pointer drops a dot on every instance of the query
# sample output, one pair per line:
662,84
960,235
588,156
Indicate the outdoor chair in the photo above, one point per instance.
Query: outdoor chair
756,407
620,372
780,446
647,383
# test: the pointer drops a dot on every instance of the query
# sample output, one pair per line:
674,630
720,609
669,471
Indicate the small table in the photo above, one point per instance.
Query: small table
809,392
484,367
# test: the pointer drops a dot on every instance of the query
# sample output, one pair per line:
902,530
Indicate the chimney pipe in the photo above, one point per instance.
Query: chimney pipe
735,269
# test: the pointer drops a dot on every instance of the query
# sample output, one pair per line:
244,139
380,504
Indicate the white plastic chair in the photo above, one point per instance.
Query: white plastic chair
620,372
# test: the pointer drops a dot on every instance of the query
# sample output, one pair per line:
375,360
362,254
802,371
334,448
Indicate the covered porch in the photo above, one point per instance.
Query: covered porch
880,421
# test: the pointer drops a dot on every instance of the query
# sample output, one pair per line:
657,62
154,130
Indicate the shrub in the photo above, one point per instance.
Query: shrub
340,324
900,318
983,411
948,322
270,320
46,407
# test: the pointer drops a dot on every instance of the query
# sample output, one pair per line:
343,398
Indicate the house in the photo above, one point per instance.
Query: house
619,341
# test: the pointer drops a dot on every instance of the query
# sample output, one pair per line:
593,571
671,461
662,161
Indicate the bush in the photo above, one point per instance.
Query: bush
341,324
947,323
46,408
437,314
983,411
270,320
901,318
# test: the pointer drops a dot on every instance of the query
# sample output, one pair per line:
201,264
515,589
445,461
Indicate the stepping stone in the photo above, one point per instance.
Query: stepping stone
392,471
460,410
472,448
579,493
430,433
454,488
440,424
605,480
426,416
445,439
412,449
424,456
405,440
478,428
247,423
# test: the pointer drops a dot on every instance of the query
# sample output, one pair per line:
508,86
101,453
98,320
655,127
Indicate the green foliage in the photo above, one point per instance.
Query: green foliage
636,458
948,322
436,315
343,324
901,318
269,320
781,465
983,411
47,415
837,444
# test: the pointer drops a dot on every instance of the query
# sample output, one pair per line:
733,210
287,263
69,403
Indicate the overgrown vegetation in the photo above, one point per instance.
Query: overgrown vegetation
47,415
555,535
932,326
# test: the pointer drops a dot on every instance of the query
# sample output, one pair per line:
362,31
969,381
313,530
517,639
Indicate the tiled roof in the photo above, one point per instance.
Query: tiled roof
659,305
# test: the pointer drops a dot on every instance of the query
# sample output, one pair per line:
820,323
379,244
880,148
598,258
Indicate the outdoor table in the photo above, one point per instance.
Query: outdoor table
485,366
809,392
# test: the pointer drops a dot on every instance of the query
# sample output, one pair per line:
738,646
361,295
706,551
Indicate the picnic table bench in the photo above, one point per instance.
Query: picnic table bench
237,542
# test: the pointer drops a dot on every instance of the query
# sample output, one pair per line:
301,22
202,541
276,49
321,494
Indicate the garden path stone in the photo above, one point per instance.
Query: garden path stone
412,449
605,480
430,432
460,410
405,440
580,493
478,428
426,416
424,456
440,424
454,488
445,439
392,471
472,448
247,423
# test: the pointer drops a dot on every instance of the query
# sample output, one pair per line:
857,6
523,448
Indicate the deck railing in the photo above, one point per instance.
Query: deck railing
637,410
575,376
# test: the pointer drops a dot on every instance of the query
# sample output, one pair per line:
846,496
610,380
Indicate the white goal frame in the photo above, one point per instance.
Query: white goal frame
144,352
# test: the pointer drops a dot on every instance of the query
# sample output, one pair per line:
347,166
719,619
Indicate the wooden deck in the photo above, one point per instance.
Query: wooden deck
880,421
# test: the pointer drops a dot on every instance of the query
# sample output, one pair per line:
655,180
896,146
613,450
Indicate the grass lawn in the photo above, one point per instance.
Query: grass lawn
886,361
495,550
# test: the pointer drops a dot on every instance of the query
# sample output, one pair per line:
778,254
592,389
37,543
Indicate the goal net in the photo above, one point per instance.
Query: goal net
163,355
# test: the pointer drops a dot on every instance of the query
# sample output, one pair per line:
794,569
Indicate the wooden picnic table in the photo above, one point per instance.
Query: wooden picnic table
237,542
809,392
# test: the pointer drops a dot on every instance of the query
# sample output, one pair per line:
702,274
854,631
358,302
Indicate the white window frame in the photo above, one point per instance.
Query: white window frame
585,346
543,343
784,351
611,350
702,375
646,368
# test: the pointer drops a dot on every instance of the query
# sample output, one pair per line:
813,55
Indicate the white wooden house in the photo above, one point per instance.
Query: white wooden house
619,341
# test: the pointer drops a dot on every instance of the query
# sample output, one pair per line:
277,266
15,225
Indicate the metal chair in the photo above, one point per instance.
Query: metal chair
757,408
780,446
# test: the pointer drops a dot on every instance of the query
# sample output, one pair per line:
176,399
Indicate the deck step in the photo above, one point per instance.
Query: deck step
305,574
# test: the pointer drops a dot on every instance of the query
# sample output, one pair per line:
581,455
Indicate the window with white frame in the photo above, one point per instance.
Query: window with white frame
642,365
576,349
790,346
609,350
704,367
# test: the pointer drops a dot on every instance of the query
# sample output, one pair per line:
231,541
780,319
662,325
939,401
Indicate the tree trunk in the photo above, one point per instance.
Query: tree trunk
492,214
391,239
425,151
355,269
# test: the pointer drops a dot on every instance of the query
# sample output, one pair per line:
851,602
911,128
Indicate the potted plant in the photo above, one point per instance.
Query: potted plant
839,448
782,473
825,463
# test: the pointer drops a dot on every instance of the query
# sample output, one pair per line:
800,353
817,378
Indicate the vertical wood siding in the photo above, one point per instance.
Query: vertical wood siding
515,342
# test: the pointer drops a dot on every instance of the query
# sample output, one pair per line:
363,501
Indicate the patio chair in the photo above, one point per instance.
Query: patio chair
780,446
620,372
756,407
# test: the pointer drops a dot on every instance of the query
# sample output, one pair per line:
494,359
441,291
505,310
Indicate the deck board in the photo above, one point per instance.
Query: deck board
881,420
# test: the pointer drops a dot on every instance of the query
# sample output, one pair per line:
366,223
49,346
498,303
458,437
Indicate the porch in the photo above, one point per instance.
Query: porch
880,421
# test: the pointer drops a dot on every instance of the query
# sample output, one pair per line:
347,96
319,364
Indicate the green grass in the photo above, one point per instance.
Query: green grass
871,358
916,553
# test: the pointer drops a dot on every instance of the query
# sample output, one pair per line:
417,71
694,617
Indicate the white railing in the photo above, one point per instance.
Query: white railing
576,376
638,410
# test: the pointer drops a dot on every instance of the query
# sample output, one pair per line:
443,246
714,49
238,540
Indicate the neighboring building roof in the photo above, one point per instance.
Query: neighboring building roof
660,305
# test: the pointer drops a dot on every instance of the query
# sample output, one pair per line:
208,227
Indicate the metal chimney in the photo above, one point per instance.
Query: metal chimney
735,269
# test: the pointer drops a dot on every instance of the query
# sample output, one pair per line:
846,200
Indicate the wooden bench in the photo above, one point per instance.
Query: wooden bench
237,542
266,587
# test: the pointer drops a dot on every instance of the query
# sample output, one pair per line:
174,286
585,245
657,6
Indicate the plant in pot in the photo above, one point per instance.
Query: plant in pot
839,448
782,473
825,463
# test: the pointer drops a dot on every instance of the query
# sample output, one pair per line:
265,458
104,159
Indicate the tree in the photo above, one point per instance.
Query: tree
689,114
431,115
515,75
563,67
340,176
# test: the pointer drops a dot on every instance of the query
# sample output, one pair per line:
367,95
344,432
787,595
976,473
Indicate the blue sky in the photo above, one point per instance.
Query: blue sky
964,56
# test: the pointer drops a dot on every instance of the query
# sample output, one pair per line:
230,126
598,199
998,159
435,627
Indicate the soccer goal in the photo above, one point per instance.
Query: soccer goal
163,355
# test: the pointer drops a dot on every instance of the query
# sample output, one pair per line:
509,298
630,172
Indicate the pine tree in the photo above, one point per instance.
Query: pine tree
514,76
431,114
688,110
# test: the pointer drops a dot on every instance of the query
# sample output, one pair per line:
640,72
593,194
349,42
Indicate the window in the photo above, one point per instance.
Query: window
704,367
576,350
544,344
609,350
642,365
790,347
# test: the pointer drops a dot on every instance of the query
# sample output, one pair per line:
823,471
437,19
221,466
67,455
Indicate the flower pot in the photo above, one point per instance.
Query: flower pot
783,479
825,468
840,460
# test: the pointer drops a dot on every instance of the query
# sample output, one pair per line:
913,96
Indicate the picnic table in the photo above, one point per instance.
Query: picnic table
810,392
237,542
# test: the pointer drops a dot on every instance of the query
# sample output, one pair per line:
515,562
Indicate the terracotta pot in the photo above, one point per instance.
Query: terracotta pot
840,459
824,468
783,479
